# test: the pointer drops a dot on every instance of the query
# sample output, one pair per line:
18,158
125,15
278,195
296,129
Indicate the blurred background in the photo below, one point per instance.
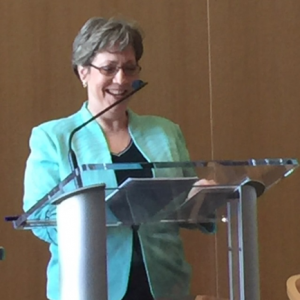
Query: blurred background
227,71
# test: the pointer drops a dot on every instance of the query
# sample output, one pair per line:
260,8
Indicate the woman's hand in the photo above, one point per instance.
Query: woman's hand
198,186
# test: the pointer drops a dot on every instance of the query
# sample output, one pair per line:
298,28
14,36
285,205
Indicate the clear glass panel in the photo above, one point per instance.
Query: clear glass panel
261,174
194,223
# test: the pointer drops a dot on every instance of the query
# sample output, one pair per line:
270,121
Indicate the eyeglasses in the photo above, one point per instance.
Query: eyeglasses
112,70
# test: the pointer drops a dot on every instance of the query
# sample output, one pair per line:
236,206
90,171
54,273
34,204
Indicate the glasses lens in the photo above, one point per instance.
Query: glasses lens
131,70
109,70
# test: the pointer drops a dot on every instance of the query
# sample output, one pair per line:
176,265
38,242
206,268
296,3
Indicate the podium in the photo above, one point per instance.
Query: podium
224,208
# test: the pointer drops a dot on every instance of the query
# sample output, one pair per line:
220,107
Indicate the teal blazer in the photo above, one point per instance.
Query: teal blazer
158,139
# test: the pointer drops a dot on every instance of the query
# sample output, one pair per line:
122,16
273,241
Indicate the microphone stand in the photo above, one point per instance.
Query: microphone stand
71,154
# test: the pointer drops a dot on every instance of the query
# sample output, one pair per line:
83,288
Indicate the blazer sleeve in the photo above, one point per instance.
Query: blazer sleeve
184,153
190,172
41,175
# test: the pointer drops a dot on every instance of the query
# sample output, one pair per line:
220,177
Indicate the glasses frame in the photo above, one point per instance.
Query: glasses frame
118,68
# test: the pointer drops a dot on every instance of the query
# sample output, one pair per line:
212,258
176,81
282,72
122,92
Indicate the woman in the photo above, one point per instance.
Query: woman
106,56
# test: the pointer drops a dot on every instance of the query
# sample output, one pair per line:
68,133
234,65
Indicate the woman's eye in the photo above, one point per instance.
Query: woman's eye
108,69
130,68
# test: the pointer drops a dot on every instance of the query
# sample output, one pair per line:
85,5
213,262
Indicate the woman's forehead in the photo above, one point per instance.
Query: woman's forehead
115,55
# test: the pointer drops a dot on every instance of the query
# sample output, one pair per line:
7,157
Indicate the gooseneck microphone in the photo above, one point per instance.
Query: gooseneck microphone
137,85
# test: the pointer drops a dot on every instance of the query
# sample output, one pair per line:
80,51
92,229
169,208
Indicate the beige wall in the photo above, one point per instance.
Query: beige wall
226,71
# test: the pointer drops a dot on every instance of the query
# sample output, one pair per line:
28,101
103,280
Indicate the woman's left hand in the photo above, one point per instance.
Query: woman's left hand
198,186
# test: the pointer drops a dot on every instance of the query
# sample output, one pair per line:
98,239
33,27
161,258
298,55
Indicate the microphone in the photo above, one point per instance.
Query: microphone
136,85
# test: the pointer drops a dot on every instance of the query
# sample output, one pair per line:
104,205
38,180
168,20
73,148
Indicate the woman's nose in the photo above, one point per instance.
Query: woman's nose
120,77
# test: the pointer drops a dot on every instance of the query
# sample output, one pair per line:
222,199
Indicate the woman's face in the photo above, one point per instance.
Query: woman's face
109,78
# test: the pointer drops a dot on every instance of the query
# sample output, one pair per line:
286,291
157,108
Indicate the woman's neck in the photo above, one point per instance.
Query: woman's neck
113,122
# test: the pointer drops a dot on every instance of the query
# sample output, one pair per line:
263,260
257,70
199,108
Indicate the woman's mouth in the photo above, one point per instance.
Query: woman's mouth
117,93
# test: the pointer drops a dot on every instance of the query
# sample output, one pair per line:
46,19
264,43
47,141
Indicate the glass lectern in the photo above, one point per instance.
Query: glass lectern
214,220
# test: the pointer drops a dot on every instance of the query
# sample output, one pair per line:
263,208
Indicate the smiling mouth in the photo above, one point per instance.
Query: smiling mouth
117,93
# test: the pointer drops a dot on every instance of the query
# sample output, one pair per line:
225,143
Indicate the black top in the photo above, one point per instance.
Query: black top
130,155
138,285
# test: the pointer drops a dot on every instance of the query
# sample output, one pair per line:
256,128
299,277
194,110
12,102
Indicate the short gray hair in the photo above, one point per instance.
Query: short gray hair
99,34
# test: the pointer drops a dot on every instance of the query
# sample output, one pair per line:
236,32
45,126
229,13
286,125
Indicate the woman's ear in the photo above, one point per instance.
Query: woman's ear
83,73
